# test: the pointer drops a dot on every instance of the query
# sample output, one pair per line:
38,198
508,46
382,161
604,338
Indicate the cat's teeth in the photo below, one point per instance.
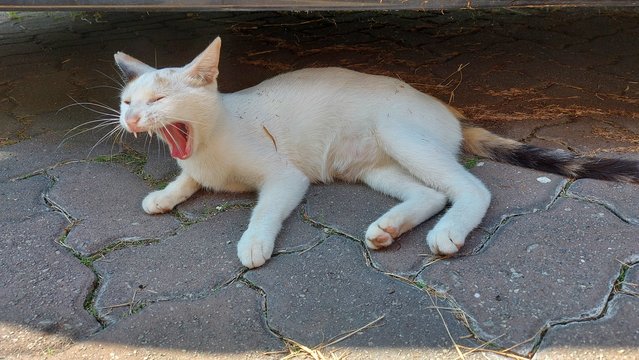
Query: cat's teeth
135,135
150,133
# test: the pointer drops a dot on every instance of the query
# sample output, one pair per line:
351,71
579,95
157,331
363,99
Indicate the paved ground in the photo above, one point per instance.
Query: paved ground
551,273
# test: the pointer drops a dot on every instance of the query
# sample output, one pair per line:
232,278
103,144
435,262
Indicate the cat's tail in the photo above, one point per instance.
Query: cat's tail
483,143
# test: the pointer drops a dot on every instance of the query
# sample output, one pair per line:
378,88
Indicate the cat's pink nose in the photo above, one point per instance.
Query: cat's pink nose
132,123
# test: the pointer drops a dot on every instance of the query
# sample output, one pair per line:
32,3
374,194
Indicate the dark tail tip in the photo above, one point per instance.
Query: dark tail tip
568,164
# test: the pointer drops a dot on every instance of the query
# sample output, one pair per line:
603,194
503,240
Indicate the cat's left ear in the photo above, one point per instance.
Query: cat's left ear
203,70
130,67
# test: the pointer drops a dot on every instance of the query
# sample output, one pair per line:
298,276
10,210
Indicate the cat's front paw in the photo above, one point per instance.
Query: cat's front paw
157,203
445,240
253,250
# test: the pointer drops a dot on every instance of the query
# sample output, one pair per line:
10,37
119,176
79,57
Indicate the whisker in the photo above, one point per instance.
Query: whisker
106,106
160,147
106,136
120,84
120,141
104,86
85,105
99,126
119,73
101,121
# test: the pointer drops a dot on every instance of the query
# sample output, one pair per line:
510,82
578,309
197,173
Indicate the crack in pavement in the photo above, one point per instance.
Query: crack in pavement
615,289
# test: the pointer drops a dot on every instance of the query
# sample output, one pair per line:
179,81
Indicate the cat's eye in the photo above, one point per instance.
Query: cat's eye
127,102
157,98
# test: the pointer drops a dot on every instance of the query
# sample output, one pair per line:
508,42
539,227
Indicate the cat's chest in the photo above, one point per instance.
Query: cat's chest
218,175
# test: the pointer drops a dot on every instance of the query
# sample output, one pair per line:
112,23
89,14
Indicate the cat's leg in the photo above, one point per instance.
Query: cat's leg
419,203
431,163
278,196
174,193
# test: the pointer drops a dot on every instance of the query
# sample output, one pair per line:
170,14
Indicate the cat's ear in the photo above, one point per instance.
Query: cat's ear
203,70
131,67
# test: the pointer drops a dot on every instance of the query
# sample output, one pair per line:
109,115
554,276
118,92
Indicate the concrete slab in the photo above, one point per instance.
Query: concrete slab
631,282
159,163
539,269
107,211
204,203
48,150
618,197
301,308
213,327
350,209
191,264
22,200
613,336
515,191
43,289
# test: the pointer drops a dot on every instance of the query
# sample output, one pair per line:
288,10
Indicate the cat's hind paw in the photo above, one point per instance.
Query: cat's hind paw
254,251
444,240
378,237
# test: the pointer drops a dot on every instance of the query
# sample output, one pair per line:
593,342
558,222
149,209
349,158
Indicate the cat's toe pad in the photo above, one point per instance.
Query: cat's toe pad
444,240
155,203
378,237
253,251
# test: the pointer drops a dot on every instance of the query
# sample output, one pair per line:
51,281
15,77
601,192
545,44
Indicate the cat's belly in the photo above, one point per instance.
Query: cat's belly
344,158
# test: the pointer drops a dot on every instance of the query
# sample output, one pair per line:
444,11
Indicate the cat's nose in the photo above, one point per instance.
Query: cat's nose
132,122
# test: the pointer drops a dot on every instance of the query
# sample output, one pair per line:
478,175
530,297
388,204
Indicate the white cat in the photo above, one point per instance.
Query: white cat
321,125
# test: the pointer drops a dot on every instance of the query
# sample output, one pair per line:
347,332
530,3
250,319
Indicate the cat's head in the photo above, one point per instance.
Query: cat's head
172,102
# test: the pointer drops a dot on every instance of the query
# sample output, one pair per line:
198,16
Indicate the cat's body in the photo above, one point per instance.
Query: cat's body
326,122
312,125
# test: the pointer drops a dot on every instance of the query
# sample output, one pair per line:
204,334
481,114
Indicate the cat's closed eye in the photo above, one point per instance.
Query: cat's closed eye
156,99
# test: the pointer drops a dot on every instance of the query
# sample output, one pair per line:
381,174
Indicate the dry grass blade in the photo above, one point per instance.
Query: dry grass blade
461,78
498,352
480,347
350,333
450,336
297,350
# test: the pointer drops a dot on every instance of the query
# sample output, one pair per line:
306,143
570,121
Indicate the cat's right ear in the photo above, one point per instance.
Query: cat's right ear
131,67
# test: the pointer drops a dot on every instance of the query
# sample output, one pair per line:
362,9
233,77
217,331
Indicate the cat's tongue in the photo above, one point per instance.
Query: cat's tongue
177,136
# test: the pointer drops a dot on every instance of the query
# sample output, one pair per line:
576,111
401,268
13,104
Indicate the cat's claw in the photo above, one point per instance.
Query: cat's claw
253,251
444,240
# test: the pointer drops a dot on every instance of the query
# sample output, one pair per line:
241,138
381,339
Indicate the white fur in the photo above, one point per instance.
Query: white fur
311,125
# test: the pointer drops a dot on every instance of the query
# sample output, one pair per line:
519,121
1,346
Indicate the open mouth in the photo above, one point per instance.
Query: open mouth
178,136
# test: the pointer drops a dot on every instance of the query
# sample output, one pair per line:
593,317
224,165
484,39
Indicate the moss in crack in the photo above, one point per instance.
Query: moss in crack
621,279
131,159
328,230
88,261
135,162
187,219
565,188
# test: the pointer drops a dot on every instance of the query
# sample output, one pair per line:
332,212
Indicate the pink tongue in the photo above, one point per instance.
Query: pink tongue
176,136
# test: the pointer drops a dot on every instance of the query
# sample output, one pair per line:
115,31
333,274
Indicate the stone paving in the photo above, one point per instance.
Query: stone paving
551,273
